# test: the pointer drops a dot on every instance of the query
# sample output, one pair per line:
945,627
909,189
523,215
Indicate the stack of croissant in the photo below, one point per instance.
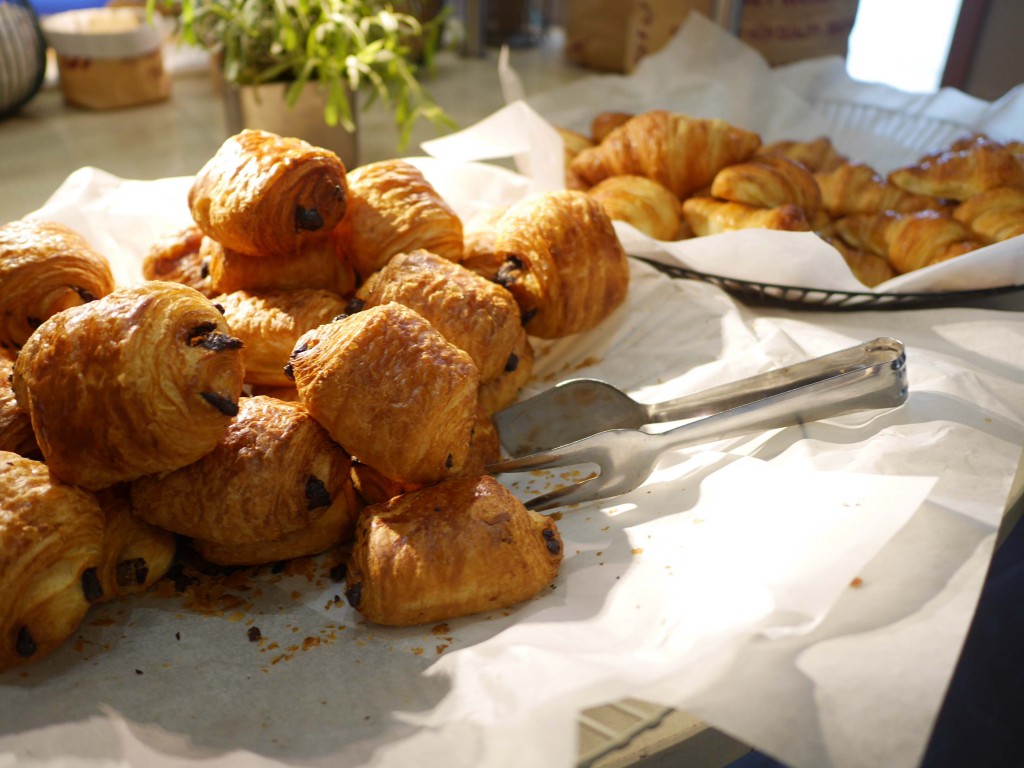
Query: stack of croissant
673,176
309,366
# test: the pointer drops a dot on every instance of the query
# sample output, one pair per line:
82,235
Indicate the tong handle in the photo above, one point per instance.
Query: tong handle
755,388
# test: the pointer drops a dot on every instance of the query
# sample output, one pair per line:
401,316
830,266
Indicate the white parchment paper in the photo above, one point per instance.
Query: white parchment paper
806,590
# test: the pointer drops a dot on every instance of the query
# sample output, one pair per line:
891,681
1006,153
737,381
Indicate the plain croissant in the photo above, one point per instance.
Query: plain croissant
681,153
969,168
857,188
994,215
708,216
908,240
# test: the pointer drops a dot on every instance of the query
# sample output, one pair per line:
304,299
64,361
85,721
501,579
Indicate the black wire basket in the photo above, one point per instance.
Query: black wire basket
22,55
818,299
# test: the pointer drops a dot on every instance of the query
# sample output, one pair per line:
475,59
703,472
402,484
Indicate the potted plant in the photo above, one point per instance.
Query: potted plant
316,56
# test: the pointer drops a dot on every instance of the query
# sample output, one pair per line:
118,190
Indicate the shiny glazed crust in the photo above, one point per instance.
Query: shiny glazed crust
143,380
51,547
264,195
768,182
562,262
640,201
708,216
269,324
857,188
908,240
394,209
473,313
463,546
391,390
45,267
275,472
136,554
16,433
314,264
176,258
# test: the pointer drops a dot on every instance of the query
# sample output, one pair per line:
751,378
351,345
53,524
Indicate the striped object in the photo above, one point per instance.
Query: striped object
22,55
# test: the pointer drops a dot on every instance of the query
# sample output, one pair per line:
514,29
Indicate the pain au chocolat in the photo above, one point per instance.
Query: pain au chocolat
143,380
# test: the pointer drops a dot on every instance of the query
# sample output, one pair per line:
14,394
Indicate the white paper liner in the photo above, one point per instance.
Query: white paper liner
704,589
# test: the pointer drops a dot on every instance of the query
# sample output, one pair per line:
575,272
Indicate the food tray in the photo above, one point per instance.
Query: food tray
818,299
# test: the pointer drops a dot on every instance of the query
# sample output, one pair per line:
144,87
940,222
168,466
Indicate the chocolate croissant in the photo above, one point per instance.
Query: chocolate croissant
394,209
708,216
464,546
176,258
641,202
474,314
136,554
315,264
391,390
143,380
681,153
45,267
264,195
856,188
502,391
269,324
562,261
274,475
51,550
16,433
908,240
964,171
994,215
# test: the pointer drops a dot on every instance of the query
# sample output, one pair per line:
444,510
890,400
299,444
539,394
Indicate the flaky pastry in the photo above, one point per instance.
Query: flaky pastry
708,216
316,263
641,202
143,380
908,240
461,547
993,215
176,258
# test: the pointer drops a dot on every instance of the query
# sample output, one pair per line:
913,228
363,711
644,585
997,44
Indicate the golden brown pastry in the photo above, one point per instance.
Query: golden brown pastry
641,202
16,433
562,261
391,390
374,488
269,324
51,549
682,153
143,380
870,268
316,264
464,546
502,392
474,314
962,172
769,182
478,234
908,240
264,195
276,472
136,554
45,267
856,188
817,155
993,215
708,216
606,122
394,209
175,257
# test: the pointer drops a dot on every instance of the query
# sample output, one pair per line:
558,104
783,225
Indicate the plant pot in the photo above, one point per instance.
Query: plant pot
264,107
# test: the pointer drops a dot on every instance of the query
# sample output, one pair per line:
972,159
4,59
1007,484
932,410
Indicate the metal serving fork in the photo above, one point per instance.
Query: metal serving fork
627,457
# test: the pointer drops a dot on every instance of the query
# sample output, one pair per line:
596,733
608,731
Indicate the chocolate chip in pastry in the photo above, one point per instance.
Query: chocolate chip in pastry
391,390
136,554
502,391
274,474
45,267
144,380
460,547
51,550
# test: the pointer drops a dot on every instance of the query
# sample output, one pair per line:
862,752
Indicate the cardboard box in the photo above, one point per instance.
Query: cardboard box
613,35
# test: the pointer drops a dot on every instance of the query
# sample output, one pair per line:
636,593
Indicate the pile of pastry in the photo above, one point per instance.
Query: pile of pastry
673,177
310,366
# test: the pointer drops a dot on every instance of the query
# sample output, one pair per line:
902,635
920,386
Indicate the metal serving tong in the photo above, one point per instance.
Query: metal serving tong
869,376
